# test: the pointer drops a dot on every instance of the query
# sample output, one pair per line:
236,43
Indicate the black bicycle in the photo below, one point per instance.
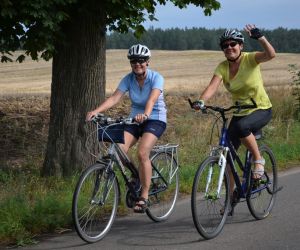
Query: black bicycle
97,193
211,201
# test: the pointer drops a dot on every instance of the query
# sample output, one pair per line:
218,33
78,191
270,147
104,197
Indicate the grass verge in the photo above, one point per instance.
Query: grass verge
31,205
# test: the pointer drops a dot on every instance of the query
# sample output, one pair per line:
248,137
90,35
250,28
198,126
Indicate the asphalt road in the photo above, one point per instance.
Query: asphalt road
281,230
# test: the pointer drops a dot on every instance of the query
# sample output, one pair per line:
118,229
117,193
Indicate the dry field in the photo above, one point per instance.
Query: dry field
25,89
183,70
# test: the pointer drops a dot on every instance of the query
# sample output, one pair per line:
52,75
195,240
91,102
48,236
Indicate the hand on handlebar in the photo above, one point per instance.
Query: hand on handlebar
90,115
140,118
197,105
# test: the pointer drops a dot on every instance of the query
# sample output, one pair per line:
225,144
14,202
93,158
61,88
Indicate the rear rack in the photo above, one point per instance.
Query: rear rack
167,148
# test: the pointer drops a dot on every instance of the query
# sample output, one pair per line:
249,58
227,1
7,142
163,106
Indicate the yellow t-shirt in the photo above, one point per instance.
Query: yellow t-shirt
246,84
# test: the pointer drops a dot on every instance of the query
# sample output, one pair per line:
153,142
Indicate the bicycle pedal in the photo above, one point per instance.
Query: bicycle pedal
130,200
256,184
235,198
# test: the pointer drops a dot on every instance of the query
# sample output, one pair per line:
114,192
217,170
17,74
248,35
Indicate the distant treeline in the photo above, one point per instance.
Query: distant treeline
283,40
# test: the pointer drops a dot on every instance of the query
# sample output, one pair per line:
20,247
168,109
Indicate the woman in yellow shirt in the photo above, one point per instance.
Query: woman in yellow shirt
241,76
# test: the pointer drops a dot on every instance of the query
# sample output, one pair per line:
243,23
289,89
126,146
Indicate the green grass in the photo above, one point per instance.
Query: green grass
31,205
287,146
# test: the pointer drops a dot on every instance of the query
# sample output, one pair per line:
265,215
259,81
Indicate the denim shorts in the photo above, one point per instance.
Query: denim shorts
155,127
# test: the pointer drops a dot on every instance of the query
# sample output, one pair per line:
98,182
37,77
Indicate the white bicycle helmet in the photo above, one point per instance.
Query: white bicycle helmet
231,34
139,51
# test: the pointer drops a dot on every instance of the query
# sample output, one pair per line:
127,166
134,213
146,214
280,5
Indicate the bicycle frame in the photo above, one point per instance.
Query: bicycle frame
97,193
117,155
228,155
212,196
232,156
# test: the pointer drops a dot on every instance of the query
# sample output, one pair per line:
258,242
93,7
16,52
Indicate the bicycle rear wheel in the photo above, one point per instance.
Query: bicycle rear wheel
164,187
262,193
95,202
209,209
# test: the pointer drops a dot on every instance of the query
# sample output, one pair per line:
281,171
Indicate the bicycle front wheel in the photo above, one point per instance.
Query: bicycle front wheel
210,207
262,193
164,187
95,202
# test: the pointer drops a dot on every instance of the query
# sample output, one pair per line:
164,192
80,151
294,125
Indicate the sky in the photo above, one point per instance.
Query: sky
266,14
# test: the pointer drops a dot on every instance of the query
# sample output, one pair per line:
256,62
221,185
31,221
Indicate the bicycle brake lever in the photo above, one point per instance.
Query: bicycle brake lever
190,102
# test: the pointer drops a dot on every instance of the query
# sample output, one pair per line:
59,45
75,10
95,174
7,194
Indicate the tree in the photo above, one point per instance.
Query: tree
72,32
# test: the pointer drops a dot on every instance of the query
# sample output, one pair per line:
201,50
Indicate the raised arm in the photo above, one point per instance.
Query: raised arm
268,51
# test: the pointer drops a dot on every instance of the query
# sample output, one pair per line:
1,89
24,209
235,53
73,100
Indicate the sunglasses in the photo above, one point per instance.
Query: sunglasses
139,61
226,45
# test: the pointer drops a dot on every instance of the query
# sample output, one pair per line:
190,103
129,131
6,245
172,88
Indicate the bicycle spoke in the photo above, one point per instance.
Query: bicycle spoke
95,203
209,209
164,187
261,199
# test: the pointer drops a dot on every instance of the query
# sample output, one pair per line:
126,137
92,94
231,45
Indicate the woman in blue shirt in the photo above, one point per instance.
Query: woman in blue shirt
145,88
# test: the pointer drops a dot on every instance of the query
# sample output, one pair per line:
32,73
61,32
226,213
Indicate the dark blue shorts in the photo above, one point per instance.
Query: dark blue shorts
155,127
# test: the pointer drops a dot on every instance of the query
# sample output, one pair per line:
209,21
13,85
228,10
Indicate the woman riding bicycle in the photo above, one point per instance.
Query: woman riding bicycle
241,76
148,108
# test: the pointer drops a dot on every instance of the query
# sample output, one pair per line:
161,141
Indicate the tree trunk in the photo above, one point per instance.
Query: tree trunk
78,85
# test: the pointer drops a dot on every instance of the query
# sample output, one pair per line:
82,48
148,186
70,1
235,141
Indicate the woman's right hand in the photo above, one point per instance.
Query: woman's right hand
140,118
90,115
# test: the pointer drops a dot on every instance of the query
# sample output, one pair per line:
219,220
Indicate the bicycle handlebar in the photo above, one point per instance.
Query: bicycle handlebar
106,120
223,110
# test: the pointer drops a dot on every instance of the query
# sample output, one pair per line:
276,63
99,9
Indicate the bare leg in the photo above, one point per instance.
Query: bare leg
251,144
145,169
130,140
146,144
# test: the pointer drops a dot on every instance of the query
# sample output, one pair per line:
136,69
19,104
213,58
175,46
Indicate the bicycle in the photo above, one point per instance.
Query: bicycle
97,193
211,202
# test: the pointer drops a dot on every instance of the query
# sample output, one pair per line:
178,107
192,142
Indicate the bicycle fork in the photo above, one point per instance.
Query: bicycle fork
222,163
103,180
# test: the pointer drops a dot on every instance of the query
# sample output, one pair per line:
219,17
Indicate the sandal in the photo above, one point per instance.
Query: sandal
141,205
259,171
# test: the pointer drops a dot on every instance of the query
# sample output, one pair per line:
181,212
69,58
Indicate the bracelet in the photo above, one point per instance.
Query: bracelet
146,116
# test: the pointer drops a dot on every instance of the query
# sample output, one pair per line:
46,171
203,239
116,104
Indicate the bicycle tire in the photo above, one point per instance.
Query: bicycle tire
162,202
94,211
208,210
262,194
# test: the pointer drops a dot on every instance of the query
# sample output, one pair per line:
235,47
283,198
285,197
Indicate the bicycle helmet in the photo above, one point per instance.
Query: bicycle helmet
231,34
139,51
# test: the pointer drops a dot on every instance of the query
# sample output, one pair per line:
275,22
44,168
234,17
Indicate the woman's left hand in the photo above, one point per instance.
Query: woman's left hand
248,28
253,32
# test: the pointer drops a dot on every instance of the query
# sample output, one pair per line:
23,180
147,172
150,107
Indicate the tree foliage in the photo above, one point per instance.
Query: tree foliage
73,33
37,26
